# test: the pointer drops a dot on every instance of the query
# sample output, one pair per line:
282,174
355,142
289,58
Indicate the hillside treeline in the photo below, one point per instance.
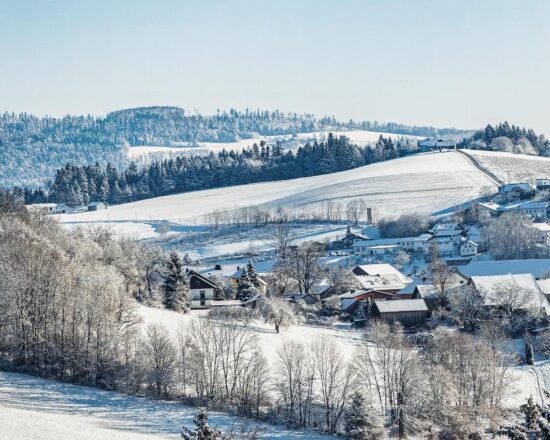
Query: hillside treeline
78,185
511,139
32,148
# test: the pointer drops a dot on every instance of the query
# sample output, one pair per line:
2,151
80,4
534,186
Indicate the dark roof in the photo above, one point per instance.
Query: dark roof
192,273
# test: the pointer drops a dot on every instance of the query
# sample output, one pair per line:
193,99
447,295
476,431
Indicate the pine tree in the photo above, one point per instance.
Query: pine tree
252,274
358,423
202,431
177,295
532,414
246,289
529,357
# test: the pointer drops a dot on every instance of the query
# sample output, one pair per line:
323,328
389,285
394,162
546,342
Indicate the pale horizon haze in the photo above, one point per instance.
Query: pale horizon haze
441,63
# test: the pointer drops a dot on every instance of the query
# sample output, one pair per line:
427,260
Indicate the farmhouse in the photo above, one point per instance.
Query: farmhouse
202,290
96,206
447,230
543,183
381,277
537,267
542,231
490,287
45,208
348,240
408,312
516,190
468,248
531,208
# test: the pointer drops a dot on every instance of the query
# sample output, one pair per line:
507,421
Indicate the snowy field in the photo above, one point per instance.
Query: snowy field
359,137
200,243
422,183
526,381
346,338
38,409
513,167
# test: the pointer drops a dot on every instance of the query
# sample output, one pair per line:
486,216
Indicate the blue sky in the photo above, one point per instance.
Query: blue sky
445,63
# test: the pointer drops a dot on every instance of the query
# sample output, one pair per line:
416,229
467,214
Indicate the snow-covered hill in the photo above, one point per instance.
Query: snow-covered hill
422,183
33,408
510,166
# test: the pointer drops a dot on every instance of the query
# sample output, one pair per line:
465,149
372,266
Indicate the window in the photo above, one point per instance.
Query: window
203,295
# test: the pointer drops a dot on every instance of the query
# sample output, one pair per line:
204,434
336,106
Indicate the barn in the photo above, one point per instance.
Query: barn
409,312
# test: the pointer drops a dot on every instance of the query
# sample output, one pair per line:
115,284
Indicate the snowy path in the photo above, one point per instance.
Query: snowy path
33,408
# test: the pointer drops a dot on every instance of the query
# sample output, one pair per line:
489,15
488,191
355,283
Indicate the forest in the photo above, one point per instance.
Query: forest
78,185
32,148
509,138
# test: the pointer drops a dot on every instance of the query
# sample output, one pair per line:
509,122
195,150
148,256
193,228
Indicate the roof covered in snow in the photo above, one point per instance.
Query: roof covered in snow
483,268
401,305
382,269
490,285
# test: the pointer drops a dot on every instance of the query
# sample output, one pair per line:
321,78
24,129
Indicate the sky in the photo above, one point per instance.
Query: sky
445,63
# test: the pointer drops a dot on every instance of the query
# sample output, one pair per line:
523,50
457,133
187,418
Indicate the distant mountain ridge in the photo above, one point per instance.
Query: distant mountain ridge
32,148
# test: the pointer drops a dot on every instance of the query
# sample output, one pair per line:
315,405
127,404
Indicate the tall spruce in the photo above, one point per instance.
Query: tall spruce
359,424
245,290
177,295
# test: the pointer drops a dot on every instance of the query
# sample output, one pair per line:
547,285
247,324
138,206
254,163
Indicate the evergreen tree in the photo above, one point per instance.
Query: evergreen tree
245,290
202,431
359,424
529,357
177,295
252,274
532,414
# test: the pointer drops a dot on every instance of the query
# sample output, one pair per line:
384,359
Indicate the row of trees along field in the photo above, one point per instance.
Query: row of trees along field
67,312
79,185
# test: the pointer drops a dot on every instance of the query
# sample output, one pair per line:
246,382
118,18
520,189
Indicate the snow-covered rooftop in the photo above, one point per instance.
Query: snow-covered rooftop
401,305
490,285
484,268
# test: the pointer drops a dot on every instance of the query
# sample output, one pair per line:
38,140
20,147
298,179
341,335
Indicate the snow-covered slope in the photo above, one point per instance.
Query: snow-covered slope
422,183
510,166
33,408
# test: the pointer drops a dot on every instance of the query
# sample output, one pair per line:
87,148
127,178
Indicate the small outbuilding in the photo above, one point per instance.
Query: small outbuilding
408,312
96,206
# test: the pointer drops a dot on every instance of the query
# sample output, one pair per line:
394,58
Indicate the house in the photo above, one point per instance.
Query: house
447,230
468,248
544,286
488,209
202,290
538,210
408,312
381,277
421,243
537,267
348,240
543,183
490,287
63,208
96,206
380,247
543,232
44,208
446,245
349,301
432,144
514,191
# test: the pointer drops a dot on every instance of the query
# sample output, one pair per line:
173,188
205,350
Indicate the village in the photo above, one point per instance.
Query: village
400,279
